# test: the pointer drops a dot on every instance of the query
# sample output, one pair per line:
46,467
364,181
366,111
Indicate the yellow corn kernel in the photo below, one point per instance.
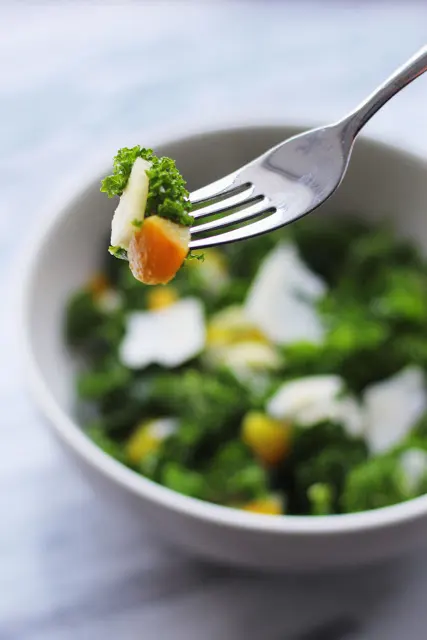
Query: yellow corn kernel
142,442
270,505
98,284
161,297
268,438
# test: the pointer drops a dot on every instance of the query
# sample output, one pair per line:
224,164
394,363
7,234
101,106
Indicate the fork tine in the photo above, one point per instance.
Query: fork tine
269,223
255,207
214,188
225,201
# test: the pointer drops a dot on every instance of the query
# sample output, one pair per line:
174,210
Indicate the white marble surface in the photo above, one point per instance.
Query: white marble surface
77,79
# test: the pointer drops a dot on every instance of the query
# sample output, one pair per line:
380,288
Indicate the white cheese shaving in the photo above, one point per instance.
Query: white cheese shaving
167,337
132,205
308,401
393,406
280,300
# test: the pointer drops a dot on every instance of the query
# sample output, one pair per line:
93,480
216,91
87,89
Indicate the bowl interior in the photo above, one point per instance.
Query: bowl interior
381,182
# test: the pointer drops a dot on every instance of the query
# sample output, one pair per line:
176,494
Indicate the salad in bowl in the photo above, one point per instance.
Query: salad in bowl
283,375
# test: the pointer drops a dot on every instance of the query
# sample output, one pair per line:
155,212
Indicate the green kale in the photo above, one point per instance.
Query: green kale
329,466
134,293
234,476
215,402
113,268
324,243
375,255
323,453
305,358
90,329
231,476
118,252
118,415
411,347
403,298
321,498
376,483
210,407
101,381
369,338
127,401
182,447
360,352
115,184
378,292
233,293
381,481
183,480
188,282
192,255
96,433
420,430
83,319
357,345
167,194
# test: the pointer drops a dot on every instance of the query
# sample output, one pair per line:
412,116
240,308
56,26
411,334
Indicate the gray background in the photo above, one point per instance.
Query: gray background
77,81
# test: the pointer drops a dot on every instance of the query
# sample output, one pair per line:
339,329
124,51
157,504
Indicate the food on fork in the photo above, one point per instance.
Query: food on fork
150,226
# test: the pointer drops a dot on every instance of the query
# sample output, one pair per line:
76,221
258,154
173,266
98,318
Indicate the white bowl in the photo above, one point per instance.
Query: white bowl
382,181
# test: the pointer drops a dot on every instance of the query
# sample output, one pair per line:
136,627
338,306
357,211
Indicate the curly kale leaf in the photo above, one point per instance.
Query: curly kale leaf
115,184
232,476
376,483
321,498
102,380
118,252
167,193
323,453
88,328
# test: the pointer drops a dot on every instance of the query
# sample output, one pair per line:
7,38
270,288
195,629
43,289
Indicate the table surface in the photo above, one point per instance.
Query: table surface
77,79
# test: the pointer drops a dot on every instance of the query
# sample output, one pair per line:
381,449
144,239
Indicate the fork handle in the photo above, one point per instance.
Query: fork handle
405,74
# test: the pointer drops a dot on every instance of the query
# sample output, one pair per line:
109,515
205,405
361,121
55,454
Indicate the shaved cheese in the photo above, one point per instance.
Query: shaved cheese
393,406
168,337
131,207
280,301
308,401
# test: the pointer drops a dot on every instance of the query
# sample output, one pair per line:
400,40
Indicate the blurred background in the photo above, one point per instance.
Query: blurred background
77,81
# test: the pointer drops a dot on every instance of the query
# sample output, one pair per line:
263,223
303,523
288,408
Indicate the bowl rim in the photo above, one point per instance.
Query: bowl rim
71,434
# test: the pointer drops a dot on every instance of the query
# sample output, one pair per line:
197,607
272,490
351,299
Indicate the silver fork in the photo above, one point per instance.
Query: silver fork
291,179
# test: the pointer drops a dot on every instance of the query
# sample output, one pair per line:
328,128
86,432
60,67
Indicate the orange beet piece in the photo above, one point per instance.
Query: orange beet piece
157,250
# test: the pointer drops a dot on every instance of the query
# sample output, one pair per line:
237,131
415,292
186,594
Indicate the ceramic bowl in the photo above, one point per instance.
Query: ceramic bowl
382,181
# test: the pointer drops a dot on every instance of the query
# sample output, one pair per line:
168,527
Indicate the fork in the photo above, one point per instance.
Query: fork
291,179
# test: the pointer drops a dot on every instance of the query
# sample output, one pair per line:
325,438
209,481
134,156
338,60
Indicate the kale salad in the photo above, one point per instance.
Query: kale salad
282,375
